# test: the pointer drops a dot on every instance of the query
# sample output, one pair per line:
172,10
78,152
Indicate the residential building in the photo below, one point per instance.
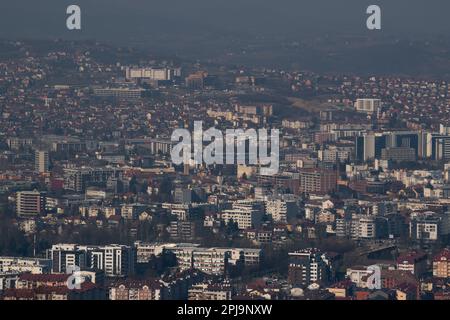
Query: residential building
30,203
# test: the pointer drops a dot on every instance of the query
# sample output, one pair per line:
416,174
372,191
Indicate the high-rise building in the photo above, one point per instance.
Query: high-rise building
370,145
369,106
307,266
30,203
67,256
78,179
287,181
362,227
182,230
114,260
119,93
398,154
438,147
211,260
429,226
319,181
41,161
196,81
247,214
153,74
182,195
282,210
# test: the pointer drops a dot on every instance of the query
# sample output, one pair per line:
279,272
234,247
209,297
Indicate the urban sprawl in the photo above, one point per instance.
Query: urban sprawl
92,206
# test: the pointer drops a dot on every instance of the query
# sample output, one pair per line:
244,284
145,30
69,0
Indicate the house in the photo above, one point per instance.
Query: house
406,291
342,289
145,216
414,262
441,264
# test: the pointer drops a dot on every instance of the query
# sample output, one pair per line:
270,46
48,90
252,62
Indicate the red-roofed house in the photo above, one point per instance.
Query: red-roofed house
441,264
342,289
414,262
88,291
406,292
31,281
136,290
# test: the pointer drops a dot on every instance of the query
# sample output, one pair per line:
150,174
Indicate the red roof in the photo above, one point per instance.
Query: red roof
132,283
406,287
44,277
115,218
31,293
411,257
345,284
19,293
443,255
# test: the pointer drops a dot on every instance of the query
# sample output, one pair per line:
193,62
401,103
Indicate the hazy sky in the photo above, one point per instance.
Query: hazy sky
130,19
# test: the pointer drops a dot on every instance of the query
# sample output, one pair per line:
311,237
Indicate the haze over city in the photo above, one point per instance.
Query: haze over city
240,151
122,20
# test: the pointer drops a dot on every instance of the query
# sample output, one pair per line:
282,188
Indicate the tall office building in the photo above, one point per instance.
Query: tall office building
438,147
366,146
370,145
41,161
405,139
30,203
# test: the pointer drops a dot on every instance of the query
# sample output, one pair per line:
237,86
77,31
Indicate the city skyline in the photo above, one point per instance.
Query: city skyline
259,155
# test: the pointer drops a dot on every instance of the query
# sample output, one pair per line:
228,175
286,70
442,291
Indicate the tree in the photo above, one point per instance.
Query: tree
13,241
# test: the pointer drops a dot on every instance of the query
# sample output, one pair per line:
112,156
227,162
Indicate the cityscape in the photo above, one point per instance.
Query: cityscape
291,182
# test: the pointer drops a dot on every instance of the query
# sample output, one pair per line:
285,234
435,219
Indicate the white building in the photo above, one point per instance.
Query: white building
8,280
41,161
369,106
282,210
213,261
114,260
154,74
358,275
205,291
429,226
366,228
131,211
244,219
247,214
22,265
